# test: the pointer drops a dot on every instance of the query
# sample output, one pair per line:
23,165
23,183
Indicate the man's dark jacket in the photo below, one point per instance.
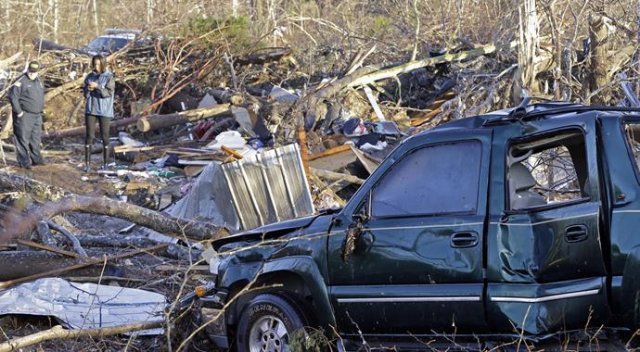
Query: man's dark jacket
27,95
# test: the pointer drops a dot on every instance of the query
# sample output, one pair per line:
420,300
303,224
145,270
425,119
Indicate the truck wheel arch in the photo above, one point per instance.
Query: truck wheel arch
296,277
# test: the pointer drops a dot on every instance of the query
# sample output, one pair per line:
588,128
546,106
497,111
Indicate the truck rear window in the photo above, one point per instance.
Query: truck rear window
546,171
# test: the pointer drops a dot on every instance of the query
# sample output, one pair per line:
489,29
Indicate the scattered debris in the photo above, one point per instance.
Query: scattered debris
211,142
84,305
268,187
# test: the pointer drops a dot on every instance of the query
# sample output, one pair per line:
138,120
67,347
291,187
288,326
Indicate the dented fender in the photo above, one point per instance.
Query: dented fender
242,273
308,270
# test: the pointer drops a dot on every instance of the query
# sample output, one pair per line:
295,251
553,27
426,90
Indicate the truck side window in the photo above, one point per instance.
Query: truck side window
547,171
633,138
432,180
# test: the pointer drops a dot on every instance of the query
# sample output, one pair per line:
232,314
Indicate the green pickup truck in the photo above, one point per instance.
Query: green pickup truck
522,224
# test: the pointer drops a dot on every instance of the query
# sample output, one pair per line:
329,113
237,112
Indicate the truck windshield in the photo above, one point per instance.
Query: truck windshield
107,44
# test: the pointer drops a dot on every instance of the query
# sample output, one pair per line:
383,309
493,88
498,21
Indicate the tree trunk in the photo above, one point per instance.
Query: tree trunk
150,8
160,121
235,7
17,264
529,48
598,33
94,7
150,121
54,8
77,131
89,262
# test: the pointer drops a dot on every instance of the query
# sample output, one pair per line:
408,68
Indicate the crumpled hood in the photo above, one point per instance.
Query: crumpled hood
267,231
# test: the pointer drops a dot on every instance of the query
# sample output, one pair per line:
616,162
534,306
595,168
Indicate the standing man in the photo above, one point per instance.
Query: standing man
27,102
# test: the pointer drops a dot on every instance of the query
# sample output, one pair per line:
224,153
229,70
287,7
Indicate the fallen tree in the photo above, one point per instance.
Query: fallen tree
21,225
154,122
370,74
78,131
148,123
18,225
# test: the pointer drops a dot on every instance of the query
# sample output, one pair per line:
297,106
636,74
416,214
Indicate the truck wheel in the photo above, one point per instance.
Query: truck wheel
267,323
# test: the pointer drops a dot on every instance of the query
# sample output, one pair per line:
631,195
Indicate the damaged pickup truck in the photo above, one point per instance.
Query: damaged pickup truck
517,224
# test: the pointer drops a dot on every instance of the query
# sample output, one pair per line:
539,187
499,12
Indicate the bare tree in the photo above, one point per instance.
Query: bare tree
94,8
529,45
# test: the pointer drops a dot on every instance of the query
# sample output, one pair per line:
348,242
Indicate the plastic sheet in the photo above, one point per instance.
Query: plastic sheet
84,305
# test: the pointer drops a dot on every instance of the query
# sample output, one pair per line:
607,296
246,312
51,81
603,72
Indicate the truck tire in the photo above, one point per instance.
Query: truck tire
267,324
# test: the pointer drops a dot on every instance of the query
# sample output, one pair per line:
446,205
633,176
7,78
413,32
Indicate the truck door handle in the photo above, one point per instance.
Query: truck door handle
464,239
576,233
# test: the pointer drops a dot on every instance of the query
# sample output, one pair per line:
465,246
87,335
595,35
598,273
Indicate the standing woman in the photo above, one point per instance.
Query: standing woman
99,87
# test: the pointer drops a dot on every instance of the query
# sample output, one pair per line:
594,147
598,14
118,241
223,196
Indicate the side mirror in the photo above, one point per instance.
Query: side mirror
360,217
354,232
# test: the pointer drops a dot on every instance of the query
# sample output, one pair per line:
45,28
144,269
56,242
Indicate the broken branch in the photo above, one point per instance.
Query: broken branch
162,223
58,333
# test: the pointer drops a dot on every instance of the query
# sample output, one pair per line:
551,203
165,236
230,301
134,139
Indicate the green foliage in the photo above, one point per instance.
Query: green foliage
311,340
233,30
380,24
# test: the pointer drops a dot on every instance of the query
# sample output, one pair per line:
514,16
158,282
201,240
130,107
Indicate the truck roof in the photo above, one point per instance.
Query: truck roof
525,113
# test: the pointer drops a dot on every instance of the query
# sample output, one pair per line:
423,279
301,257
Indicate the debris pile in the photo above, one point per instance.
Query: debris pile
205,144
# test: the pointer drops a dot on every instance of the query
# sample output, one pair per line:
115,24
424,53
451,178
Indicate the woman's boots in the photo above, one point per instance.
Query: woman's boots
105,157
87,157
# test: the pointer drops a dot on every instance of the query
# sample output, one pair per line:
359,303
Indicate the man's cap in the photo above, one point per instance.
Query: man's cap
34,66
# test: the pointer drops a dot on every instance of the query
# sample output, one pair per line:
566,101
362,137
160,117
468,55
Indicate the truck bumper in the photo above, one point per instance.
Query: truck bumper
212,313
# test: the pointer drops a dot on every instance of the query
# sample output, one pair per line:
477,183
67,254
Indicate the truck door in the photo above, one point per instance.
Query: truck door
545,265
417,265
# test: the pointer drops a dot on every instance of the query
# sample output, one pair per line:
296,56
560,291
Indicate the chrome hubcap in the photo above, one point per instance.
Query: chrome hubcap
268,334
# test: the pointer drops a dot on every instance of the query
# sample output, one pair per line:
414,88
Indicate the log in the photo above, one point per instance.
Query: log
48,248
431,61
264,55
17,264
336,176
155,122
20,226
38,190
78,131
115,241
127,121
47,272
61,201
59,333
